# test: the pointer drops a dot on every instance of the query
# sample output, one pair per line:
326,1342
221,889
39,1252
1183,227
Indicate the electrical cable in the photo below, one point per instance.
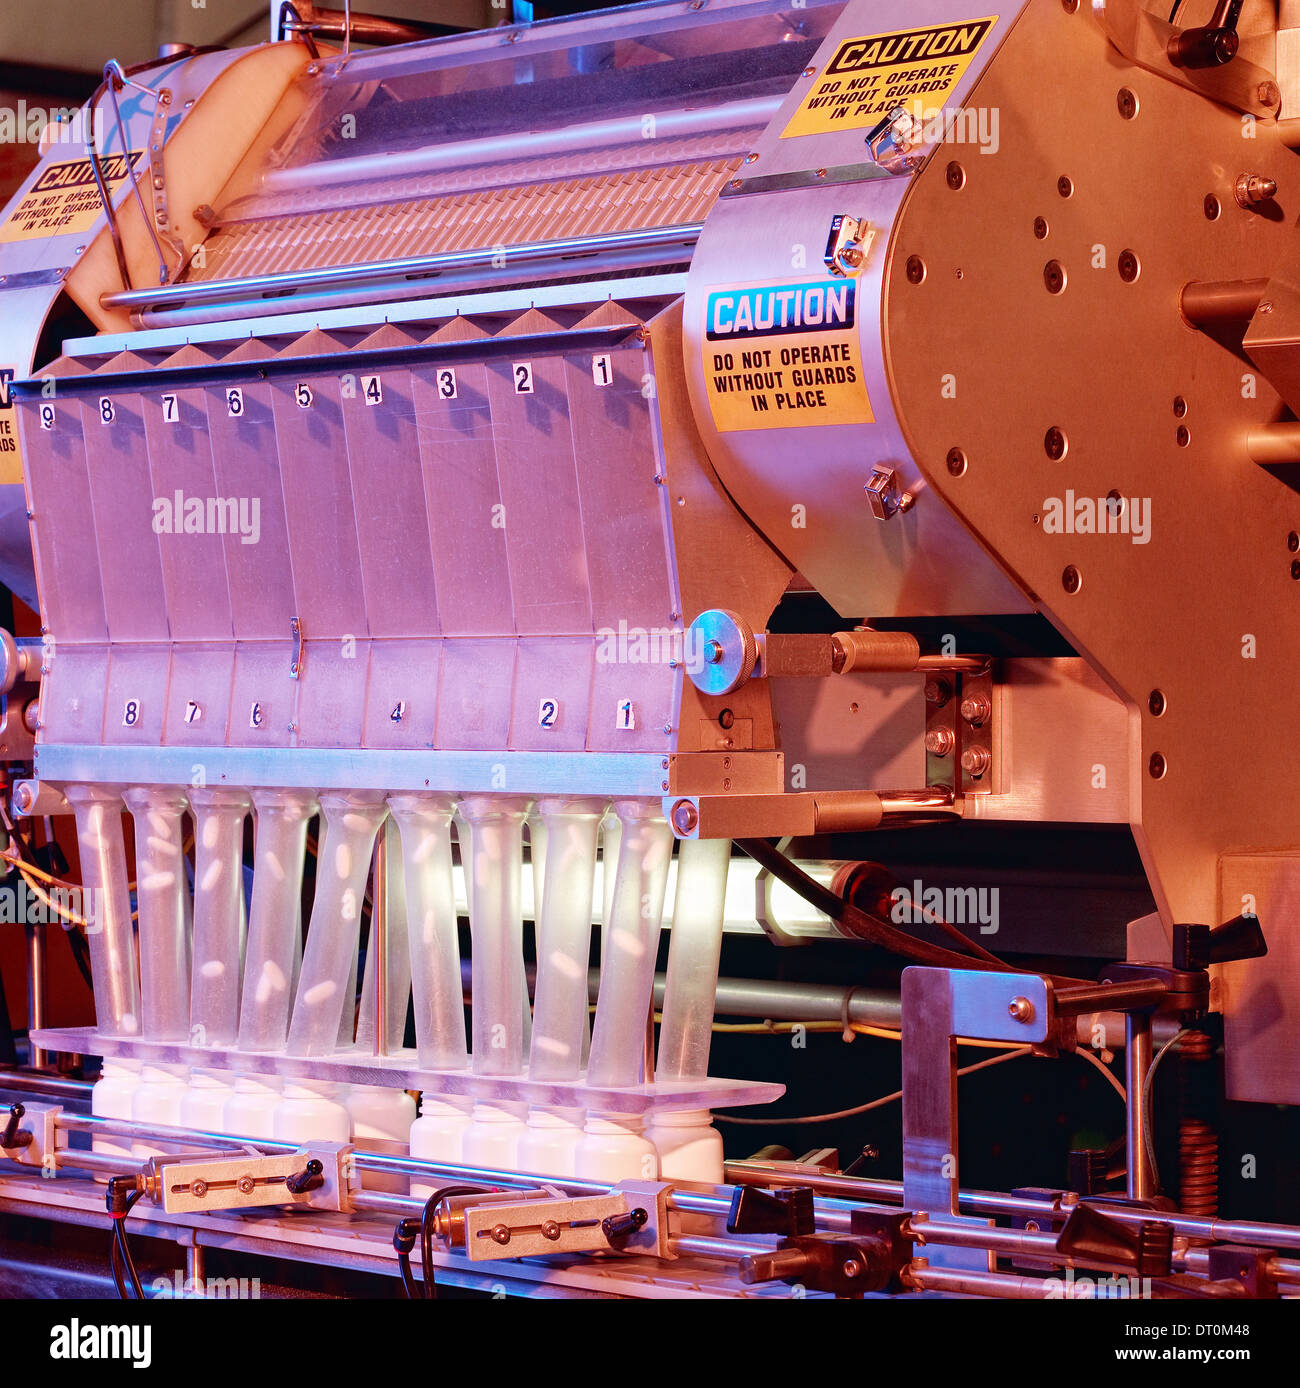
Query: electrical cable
874,1103
404,1236
1147,1083
120,1260
868,928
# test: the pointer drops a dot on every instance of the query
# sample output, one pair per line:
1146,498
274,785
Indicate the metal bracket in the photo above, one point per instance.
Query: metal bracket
961,709
938,1006
158,176
40,1124
252,1180
295,630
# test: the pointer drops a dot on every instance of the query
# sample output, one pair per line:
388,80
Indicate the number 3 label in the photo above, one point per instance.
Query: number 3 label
447,383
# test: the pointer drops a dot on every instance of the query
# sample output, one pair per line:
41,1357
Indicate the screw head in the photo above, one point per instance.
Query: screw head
975,761
1293,541
1129,266
956,176
1054,276
1065,186
1212,207
550,1230
939,742
500,1234
915,269
956,462
686,817
1184,436
198,1189
1157,766
937,692
1041,228
1020,1009
851,1268
1127,103
1071,579
246,1185
1156,703
1054,444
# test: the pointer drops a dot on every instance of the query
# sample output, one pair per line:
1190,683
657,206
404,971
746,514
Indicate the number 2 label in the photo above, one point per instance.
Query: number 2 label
523,377
547,713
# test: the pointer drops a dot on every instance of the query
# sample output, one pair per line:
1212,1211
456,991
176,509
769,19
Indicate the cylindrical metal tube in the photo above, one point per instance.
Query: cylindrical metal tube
1206,303
1137,1061
106,906
1275,443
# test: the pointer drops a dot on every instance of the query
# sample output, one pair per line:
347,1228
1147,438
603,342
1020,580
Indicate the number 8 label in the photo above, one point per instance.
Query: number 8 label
131,714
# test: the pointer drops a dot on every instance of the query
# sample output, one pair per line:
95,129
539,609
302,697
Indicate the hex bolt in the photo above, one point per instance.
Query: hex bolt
500,1233
977,709
1252,189
246,1185
939,742
975,761
937,692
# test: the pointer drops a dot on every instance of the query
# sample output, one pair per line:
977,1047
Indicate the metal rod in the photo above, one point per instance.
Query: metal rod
1208,303
37,1057
1000,1284
121,1127
1137,1061
509,258
1275,443
379,941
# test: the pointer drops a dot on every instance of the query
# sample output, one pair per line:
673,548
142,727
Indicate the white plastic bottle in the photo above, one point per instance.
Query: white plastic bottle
438,1134
250,1110
384,1116
204,1105
310,1109
111,1098
549,1142
492,1138
157,1101
614,1147
689,1146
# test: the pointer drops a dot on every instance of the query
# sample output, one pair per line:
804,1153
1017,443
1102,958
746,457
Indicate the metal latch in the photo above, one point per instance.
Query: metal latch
848,243
893,139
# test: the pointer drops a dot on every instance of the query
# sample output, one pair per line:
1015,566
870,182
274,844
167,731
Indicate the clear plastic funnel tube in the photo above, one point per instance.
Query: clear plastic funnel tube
275,917
425,825
496,930
629,944
564,938
694,947
389,896
351,820
162,896
106,907
219,816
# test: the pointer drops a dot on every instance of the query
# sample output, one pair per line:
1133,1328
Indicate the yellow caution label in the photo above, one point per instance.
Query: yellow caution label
11,458
871,76
780,356
65,199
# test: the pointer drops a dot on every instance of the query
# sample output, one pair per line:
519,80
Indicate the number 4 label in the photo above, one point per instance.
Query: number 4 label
626,715
372,389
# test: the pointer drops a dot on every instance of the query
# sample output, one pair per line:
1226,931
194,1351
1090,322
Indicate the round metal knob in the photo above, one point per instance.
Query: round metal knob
720,651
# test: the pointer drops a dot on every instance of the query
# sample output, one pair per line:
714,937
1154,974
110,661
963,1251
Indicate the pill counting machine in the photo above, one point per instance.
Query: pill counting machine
418,442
